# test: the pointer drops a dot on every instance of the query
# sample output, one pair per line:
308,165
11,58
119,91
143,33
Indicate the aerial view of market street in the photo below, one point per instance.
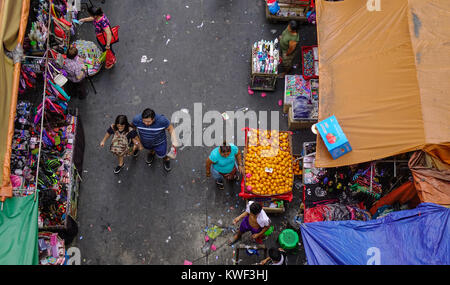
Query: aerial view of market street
225,132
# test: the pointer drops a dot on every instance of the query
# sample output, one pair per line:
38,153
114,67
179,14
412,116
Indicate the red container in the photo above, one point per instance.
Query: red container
309,73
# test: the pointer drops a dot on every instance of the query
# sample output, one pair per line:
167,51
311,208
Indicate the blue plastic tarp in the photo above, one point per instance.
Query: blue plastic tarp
410,237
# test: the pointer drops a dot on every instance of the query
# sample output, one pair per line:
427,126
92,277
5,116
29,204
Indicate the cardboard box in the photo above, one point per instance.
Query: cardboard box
333,137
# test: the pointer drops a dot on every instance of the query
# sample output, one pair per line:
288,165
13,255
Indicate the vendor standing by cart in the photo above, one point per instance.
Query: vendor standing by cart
76,72
288,44
224,162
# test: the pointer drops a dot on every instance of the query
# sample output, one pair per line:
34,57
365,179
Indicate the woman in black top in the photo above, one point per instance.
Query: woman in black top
124,142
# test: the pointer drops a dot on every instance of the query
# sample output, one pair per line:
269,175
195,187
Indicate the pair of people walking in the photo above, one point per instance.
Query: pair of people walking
146,131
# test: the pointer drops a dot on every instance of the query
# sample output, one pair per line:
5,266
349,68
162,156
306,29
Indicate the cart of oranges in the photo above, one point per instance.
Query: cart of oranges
268,162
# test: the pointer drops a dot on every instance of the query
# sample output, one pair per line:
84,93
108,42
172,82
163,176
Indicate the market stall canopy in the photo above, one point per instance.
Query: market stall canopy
13,21
409,237
385,76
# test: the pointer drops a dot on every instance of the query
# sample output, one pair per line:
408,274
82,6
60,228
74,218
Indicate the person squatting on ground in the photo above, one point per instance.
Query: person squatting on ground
276,257
124,142
151,128
101,24
288,44
254,220
223,163
76,72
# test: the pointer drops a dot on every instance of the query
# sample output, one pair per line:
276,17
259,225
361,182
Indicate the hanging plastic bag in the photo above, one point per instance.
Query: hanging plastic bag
110,59
102,58
273,6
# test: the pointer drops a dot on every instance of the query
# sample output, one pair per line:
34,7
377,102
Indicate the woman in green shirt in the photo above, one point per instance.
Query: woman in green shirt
288,43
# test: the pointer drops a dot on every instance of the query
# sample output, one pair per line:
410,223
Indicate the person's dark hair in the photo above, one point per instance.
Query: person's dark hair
95,11
72,52
148,113
225,147
275,254
122,120
294,25
255,208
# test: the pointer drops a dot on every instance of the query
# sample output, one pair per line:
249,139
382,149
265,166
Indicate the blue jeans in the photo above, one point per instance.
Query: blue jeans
217,175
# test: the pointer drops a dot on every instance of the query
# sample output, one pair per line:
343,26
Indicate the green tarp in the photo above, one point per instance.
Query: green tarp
19,231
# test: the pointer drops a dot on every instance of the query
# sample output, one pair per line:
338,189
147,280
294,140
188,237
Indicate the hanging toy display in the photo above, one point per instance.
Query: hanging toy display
91,54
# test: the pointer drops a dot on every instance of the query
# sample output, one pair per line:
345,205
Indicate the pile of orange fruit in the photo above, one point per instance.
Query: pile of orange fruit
268,163
296,166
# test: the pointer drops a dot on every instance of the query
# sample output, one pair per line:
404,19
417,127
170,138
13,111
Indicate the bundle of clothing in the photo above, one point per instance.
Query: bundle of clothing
335,212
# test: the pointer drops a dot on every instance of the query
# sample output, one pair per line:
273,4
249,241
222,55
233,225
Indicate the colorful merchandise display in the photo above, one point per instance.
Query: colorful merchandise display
265,57
51,249
44,142
296,86
310,59
91,54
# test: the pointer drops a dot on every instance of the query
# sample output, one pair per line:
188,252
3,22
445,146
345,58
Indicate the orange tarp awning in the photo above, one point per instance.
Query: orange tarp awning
385,76
13,22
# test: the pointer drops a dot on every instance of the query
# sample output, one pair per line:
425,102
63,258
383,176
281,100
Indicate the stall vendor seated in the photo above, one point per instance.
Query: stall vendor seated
254,220
223,163
76,72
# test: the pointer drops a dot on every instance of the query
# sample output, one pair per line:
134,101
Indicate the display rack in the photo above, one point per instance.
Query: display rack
73,186
264,81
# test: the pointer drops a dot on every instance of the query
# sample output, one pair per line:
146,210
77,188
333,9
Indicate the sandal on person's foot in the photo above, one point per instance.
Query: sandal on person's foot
118,168
220,185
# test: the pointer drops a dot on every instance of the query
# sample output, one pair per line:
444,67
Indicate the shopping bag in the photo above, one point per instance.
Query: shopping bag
110,59
114,36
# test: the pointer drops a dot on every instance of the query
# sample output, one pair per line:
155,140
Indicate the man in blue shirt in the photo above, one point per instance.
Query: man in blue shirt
151,128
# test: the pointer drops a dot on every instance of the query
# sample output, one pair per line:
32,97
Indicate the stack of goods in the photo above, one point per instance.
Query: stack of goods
298,94
55,173
296,86
367,182
310,172
51,249
314,89
268,163
24,149
27,79
310,56
265,57
287,8
36,40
